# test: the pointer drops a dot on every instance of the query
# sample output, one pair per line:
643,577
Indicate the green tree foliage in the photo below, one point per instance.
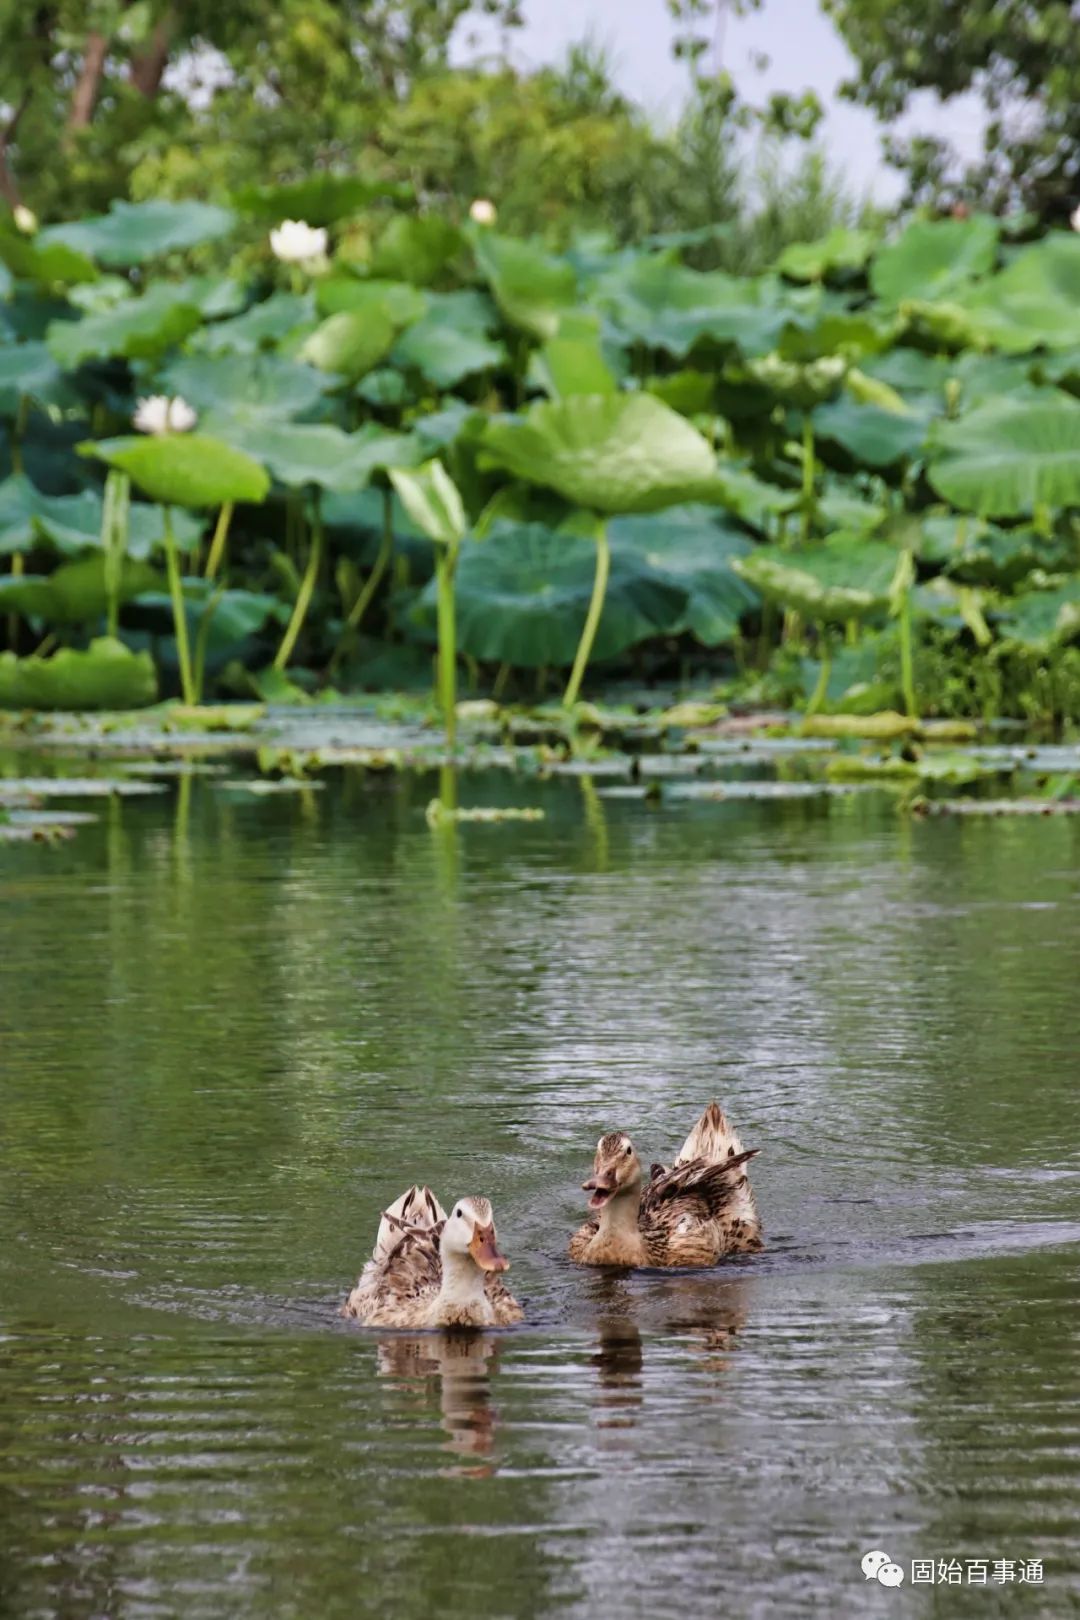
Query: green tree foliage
1021,59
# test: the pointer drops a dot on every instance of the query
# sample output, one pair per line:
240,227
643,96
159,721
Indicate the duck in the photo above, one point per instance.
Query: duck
433,1270
692,1214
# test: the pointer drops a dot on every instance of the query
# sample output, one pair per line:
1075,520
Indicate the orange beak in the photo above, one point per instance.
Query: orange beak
484,1251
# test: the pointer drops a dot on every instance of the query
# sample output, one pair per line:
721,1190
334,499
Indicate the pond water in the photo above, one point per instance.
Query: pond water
232,1029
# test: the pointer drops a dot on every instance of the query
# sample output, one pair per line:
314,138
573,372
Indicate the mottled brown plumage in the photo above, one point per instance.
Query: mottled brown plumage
431,1270
691,1215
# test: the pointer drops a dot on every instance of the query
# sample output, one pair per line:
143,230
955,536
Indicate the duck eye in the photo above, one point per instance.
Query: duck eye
629,1150
458,1213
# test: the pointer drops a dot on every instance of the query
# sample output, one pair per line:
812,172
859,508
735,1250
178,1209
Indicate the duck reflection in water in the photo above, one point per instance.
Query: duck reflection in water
457,1367
699,1311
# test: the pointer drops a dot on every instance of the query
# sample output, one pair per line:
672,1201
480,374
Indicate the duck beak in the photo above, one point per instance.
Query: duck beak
601,1184
484,1251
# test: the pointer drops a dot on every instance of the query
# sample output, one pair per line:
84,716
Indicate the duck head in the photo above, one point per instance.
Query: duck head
469,1235
616,1170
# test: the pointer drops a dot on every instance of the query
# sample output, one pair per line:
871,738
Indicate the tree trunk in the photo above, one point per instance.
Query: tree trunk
9,185
84,97
148,68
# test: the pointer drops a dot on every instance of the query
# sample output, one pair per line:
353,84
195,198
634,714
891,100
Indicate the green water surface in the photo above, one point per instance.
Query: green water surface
232,1029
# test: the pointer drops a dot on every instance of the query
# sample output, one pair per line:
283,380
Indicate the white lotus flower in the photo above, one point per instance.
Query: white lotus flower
160,414
483,211
296,242
1074,219
25,219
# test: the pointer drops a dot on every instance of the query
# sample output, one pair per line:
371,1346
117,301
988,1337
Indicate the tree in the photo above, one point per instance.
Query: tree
1022,59
83,86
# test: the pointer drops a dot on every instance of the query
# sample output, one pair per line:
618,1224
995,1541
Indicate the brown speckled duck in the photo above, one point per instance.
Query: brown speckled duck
433,1270
691,1215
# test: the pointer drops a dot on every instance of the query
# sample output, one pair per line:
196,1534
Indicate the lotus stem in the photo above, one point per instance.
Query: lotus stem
501,677
907,661
22,416
592,618
176,592
114,537
445,563
822,687
807,474
379,567
201,639
304,595
17,567
221,535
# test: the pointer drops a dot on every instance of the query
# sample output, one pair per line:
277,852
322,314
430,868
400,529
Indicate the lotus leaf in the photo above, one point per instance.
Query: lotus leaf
522,598
27,371
841,249
314,453
1034,302
844,578
416,248
532,289
186,469
47,264
347,295
74,593
1005,458
666,306
132,233
694,547
573,361
935,259
445,354
876,437
136,329
264,385
351,343
617,453
261,326
107,675
1043,619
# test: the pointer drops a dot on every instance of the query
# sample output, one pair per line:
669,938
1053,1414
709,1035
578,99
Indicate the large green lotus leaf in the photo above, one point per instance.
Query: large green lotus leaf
346,295
72,524
1007,457
321,199
300,453
1044,619
416,248
263,326
613,453
445,353
136,329
132,233
27,371
666,306
1034,302
975,552
351,344
186,469
107,675
750,498
256,384
75,592
935,259
573,361
841,249
846,577
234,615
694,547
873,436
48,264
532,289
523,593
836,332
